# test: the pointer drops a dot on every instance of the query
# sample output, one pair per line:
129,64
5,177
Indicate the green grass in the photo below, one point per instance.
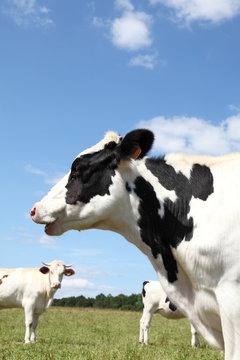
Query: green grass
92,334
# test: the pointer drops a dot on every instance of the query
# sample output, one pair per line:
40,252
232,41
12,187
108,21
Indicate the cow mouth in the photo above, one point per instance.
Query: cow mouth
50,228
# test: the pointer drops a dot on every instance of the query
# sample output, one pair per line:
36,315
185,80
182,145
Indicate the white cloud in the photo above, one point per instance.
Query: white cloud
47,241
234,108
202,10
131,31
53,179
91,273
78,283
86,281
27,13
27,237
8,238
148,61
48,179
44,10
74,253
99,22
232,127
194,135
124,4
77,286
30,238
36,171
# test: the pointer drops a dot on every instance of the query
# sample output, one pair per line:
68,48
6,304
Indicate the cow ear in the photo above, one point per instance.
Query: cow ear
69,272
137,143
44,269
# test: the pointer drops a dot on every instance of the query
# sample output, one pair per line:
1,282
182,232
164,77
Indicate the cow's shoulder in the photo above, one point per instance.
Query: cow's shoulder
164,220
6,272
182,175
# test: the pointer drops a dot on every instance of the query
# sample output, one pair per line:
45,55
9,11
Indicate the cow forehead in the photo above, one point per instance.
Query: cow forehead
56,264
109,136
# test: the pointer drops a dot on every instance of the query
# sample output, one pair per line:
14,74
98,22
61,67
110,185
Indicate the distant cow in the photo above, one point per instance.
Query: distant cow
155,300
33,290
182,211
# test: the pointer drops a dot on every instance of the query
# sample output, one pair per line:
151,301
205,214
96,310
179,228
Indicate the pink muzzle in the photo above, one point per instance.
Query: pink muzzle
56,285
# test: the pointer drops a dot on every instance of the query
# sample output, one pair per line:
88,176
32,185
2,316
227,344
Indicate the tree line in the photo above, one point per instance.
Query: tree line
122,302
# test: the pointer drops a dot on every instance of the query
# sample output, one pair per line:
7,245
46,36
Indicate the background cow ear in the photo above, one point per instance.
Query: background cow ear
137,143
69,272
44,269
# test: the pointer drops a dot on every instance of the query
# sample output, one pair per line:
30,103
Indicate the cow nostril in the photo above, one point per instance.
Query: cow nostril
33,211
56,286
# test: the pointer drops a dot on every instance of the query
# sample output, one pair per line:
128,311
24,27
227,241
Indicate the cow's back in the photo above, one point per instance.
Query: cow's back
153,293
156,300
18,286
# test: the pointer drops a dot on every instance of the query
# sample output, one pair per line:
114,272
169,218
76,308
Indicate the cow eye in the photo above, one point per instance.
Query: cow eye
73,176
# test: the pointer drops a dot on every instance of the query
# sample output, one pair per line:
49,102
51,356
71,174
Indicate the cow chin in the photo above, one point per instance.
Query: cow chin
58,228
53,229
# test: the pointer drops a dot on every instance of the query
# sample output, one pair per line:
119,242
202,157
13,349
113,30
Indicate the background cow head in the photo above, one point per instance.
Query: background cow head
56,269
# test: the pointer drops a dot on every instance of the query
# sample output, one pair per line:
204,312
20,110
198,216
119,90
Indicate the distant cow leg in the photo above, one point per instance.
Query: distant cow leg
195,340
33,328
29,318
145,324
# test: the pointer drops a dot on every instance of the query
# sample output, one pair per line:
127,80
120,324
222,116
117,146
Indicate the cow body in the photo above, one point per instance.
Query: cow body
181,211
155,300
31,289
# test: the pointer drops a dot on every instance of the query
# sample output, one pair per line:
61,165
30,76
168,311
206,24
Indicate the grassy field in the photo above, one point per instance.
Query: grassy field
92,334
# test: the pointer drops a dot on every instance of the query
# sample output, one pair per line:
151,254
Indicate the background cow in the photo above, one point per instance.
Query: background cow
183,212
33,290
155,300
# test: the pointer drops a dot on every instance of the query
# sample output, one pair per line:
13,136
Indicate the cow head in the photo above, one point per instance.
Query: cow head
56,269
94,194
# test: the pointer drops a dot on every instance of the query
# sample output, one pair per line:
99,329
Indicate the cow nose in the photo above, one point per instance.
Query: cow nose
36,214
56,285
33,211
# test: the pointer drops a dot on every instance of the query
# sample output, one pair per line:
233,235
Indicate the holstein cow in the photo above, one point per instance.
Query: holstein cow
155,300
182,211
33,290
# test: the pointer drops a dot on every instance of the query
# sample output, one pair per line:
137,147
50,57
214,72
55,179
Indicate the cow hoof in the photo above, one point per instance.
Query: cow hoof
196,345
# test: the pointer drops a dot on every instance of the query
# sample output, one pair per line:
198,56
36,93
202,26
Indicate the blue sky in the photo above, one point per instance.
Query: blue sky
72,70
